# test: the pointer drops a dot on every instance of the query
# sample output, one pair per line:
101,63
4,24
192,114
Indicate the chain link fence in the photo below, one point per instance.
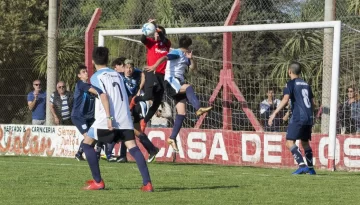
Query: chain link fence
23,43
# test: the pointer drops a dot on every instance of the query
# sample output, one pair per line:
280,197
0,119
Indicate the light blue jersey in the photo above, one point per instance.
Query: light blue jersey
176,65
111,83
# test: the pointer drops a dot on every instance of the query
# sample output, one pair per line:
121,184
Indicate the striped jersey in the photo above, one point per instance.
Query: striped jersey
111,83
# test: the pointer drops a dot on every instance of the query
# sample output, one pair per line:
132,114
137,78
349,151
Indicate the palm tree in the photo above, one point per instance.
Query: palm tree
354,6
70,55
304,46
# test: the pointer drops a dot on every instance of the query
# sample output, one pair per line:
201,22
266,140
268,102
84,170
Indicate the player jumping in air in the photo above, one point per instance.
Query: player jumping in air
112,121
154,82
178,60
300,125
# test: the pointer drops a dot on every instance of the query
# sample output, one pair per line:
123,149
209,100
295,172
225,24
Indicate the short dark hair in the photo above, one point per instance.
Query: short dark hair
295,68
118,61
271,89
100,55
79,68
162,29
185,41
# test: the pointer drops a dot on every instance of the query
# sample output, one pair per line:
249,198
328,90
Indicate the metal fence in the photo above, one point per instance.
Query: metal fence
23,39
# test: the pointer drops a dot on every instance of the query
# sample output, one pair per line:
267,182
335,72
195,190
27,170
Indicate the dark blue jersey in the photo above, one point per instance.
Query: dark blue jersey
84,101
301,98
132,83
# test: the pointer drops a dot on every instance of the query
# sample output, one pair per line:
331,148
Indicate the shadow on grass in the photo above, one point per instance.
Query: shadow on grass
165,189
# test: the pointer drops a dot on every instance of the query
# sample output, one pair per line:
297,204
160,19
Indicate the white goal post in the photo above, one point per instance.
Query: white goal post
335,25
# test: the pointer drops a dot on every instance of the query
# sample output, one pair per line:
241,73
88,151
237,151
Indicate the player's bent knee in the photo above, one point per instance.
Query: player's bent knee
88,140
290,143
305,143
130,144
183,88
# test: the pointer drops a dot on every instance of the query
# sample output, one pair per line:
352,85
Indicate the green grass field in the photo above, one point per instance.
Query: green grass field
38,180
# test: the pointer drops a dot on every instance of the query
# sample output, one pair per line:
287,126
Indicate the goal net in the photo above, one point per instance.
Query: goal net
246,89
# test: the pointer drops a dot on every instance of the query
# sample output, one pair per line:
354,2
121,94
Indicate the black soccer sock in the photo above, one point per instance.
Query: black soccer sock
92,161
148,145
309,157
152,110
191,97
177,126
123,150
297,155
80,150
141,163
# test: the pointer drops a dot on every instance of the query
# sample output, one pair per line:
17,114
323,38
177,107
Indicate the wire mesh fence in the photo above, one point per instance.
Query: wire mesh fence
23,43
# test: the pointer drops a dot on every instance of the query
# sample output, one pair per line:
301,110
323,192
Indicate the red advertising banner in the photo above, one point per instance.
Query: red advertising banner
196,146
251,148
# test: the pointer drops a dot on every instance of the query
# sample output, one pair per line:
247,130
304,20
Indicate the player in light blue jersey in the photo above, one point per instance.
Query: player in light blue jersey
178,61
134,82
112,121
301,122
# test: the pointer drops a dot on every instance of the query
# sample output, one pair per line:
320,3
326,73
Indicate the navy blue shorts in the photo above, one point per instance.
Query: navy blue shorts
82,124
298,131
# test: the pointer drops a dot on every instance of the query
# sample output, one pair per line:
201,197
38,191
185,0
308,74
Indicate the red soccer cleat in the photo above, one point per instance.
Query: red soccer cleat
147,188
132,103
93,185
142,125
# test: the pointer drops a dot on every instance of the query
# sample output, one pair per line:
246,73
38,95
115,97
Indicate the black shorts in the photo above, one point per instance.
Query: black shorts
107,136
154,86
298,131
82,124
139,111
172,88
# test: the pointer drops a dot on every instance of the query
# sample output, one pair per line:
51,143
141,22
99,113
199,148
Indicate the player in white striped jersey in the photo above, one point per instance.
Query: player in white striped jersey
112,121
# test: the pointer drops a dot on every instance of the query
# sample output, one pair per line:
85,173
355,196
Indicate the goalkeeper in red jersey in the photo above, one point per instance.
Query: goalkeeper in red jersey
157,48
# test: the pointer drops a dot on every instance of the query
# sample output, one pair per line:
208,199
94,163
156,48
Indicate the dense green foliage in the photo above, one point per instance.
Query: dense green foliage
259,59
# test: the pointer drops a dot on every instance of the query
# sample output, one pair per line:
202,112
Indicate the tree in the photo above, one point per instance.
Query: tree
353,6
70,55
23,24
304,46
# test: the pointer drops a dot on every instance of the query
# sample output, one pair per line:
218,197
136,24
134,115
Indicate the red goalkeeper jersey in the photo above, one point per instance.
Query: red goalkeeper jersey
156,50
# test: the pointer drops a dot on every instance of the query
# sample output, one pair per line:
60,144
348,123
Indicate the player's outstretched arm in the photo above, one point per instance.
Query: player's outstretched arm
313,104
143,39
142,83
282,104
162,37
158,62
192,61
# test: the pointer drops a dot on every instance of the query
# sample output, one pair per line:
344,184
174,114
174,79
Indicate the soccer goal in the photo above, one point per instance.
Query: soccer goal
236,88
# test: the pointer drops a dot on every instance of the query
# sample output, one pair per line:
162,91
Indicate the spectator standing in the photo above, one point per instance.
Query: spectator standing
61,103
350,112
37,104
267,106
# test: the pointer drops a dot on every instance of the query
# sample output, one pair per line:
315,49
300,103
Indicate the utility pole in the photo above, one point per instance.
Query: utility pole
329,15
51,73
